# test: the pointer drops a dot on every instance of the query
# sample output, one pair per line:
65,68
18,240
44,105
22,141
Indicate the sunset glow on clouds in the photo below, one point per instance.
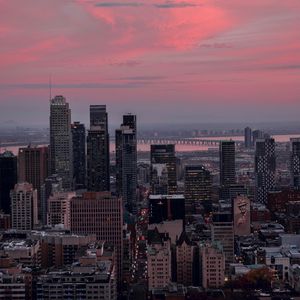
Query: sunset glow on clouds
198,60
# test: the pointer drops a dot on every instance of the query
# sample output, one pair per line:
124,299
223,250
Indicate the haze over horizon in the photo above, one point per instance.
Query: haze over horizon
166,61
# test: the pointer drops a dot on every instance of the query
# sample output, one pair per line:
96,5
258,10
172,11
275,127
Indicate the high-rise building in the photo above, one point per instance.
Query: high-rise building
8,179
34,168
126,162
295,163
79,158
227,163
100,214
198,187
223,232
248,137
98,116
59,209
166,208
257,135
24,207
158,260
51,185
265,167
61,153
212,265
163,169
98,178
185,260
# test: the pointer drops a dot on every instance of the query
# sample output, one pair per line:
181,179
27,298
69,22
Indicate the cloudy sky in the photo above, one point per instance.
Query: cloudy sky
167,61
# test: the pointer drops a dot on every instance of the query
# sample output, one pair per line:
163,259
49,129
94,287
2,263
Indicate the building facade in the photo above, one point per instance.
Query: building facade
24,213
61,152
265,168
79,157
227,163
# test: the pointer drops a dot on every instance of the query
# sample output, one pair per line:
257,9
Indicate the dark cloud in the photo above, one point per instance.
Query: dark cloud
172,4
34,86
216,45
127,63
118,4
143,78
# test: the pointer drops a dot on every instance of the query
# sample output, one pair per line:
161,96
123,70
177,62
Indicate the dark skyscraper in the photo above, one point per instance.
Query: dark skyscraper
61,152
227,163
256,135
295,163
98,150
265,167
166,208
198,187
126,161
79,161
163,169
248,137
8,179
34,168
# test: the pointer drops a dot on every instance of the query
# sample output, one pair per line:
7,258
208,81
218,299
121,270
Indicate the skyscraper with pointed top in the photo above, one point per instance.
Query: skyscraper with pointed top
61,153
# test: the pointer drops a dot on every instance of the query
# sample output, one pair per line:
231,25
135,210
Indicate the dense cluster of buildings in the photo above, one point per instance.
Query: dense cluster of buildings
76,226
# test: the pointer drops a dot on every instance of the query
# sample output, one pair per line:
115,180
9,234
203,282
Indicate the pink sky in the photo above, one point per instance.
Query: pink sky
166,61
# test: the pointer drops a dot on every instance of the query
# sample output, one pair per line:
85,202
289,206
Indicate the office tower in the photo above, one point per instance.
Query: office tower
59,209
166,208
213,265
33,168
248,137
51,185
79,158
265,167
126,162
61,153
98,116
100,214
98,179
295,163
8,179
163,169
223,232
257,135
158,260
198,188
24,206
227,163
185,260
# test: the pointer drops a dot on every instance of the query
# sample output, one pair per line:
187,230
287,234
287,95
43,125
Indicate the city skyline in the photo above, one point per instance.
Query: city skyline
199,61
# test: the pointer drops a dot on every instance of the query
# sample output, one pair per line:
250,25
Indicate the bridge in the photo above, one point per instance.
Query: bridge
183,141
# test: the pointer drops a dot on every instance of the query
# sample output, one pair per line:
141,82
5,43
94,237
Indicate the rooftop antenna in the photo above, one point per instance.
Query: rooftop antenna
50,87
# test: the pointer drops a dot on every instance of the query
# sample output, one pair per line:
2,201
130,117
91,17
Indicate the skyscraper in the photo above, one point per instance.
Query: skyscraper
24,206
98,150
163,169
198,187
248,137
51,185
227,163
79,158
100,214
33,165
61,153
257,135
34,168
8,179
126,161
265,167
295,163
223,232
